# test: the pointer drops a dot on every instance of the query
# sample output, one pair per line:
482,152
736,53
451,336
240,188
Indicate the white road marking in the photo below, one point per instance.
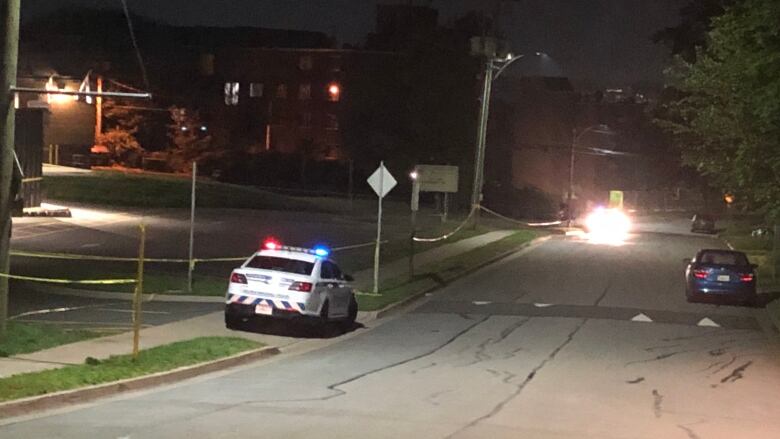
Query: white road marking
93,245
543,305
130,311
480,303
641,317
707,322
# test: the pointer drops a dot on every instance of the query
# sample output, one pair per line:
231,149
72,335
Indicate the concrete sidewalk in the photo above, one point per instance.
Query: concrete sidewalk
210,324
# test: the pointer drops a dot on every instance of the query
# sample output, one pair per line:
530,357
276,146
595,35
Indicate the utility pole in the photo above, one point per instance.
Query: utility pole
570,195
10,48
479,159
99,110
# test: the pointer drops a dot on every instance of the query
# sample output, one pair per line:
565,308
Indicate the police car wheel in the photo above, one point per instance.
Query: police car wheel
232,321
349,321
324,312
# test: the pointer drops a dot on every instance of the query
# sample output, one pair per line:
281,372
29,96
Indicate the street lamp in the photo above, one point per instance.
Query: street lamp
576,136
494,67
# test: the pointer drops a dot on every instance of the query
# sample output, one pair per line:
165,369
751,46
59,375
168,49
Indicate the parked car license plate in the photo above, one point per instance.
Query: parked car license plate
724,278
264,309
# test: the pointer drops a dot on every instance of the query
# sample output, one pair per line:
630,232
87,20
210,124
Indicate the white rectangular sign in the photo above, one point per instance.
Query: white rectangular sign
437,178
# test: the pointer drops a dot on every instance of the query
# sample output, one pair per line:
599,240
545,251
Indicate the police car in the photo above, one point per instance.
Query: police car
289,282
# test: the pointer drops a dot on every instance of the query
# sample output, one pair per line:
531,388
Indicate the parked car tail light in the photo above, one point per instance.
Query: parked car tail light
747,277
237,278
304,287
700,273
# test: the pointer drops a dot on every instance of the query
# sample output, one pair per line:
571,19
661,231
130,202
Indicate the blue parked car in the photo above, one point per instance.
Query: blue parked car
720,275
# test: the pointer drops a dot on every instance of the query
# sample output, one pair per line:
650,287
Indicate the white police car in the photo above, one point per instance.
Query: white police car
289,282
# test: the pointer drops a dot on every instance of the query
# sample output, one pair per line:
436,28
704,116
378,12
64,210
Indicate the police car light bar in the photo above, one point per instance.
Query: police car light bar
274,244
271,244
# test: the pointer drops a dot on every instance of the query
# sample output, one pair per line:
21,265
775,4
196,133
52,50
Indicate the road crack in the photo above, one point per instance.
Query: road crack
521,386
338,392
658,400
736,374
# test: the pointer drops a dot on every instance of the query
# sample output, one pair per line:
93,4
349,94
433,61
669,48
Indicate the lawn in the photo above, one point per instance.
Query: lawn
758,248
113,188
150,361
444,271
210,279
23,338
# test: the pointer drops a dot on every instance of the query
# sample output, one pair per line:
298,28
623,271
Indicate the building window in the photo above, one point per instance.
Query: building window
304,92
231,93
281,91
306,120
305,62
255,90
332,122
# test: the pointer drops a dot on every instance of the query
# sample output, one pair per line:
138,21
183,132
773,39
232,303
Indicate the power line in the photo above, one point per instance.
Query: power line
135,43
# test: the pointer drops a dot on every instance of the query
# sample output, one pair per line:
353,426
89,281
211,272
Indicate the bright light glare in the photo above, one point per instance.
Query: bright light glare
321,251
413,175
608,226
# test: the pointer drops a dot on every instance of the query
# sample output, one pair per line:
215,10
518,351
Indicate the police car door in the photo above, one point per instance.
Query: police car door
338,293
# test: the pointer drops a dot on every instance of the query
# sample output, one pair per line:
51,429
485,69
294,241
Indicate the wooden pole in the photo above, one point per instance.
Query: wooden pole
9,41
99,110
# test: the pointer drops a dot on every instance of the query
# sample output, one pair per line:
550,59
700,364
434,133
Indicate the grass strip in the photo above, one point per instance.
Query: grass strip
150,361
23,338
444,271
111,188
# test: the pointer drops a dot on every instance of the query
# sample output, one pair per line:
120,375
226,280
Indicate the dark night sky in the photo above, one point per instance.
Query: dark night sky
606,41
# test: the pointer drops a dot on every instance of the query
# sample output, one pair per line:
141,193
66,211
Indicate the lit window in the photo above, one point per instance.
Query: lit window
304,92
332,122
306,120
281,91
255,90
305,62
231,93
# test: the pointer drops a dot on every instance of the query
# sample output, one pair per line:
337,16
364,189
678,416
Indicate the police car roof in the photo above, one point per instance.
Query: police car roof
300,255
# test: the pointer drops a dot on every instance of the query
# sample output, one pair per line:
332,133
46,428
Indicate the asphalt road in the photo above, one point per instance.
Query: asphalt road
541,345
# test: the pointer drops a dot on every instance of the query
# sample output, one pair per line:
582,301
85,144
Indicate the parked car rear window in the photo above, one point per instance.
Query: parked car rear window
723,258
281,264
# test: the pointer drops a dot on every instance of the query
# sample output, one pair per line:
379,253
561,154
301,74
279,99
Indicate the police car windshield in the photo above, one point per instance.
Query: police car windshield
281,264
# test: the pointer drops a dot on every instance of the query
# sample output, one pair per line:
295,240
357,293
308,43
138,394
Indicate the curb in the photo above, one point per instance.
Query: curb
78,396
409,300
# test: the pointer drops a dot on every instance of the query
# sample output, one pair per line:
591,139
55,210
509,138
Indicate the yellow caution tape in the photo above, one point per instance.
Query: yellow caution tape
69,256
70,281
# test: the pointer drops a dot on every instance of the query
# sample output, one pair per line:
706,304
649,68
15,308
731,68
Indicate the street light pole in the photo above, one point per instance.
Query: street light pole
492,72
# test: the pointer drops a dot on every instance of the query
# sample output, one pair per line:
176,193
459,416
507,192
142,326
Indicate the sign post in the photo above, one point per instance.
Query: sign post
415,204
382,182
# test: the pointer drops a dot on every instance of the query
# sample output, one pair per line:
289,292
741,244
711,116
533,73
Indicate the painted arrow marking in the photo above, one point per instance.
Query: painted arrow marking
707,322
641,318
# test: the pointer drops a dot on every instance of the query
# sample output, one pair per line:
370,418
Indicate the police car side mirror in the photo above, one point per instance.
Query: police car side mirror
349,278
687,261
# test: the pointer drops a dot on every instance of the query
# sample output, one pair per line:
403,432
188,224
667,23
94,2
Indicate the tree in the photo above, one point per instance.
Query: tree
189,137
119,138
726,112
695,23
